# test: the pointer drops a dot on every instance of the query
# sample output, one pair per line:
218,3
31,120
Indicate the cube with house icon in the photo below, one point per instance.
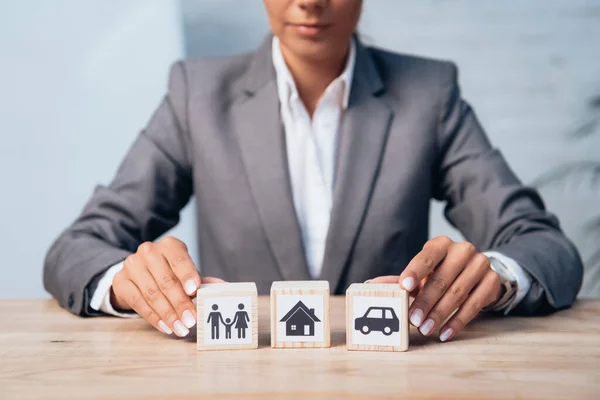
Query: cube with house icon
227,316
300,314
376,317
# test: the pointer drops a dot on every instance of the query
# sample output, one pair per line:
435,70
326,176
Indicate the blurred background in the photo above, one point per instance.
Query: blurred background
79,80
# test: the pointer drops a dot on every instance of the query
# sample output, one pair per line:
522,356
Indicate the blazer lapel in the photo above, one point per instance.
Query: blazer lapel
260,133
362,137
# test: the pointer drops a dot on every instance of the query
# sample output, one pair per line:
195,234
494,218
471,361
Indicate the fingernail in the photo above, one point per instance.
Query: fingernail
409,283
368,281
188,318
180,330
190,287
416,318
427,327
447,334
163,327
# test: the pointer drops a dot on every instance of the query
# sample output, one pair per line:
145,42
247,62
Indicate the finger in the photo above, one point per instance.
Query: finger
130,294
455,296
178,257
483,295
170,285
424,262
212,279
457,258
143,279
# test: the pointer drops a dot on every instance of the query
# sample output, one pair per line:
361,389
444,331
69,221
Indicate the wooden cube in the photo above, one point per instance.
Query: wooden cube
300,314
376,317
227,316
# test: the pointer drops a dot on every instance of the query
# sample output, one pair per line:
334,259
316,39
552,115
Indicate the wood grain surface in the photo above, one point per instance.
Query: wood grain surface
47,353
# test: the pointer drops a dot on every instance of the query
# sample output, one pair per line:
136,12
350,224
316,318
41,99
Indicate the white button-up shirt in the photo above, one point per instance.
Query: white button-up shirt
311,150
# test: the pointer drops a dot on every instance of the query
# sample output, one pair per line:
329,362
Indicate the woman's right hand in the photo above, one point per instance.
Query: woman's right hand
158,282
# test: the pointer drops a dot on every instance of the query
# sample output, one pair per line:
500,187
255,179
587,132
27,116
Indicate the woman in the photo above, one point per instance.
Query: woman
241,320
315,157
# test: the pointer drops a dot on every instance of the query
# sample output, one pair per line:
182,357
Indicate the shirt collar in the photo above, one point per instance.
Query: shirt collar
286,86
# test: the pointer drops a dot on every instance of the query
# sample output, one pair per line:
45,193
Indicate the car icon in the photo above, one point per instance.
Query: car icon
379,319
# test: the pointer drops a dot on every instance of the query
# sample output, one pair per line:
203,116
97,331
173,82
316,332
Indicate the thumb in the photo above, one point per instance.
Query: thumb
396,279
385,279
211,279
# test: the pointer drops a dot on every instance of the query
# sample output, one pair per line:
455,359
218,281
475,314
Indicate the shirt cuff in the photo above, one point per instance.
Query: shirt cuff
522,277
101,297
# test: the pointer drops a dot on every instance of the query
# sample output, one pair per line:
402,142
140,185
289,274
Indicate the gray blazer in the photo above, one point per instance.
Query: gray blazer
406,137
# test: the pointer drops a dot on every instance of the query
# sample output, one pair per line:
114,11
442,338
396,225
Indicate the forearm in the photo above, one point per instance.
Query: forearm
496,212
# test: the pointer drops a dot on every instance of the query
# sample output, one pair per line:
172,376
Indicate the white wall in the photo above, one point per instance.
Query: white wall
78,80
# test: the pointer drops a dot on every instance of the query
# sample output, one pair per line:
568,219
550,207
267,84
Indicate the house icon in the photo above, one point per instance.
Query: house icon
300,321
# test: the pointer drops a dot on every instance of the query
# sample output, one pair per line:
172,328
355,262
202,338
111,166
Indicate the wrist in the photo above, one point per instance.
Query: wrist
508,286
117,304
500,293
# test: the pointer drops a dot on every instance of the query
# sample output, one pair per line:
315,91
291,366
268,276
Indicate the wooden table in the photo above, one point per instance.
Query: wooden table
47,353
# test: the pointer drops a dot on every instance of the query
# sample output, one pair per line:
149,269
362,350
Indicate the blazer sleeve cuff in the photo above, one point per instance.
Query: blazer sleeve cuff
77,294
554,266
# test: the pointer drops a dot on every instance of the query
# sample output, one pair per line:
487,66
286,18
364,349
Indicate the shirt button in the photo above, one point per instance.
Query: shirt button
71,300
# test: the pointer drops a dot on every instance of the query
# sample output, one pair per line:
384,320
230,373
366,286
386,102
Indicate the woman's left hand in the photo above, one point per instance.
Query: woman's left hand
443,277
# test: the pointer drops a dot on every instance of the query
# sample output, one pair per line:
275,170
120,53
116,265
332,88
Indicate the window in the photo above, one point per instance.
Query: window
293,327
388,314
375,313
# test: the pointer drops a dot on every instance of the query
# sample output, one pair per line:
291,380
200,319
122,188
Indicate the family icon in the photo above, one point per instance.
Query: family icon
240,319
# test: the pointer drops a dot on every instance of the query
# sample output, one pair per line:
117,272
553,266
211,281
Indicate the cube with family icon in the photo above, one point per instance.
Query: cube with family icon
300,314
376,317
227,316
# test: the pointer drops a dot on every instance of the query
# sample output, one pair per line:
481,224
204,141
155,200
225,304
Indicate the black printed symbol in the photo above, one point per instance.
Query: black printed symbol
240,322
379,319
300,321
214,318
